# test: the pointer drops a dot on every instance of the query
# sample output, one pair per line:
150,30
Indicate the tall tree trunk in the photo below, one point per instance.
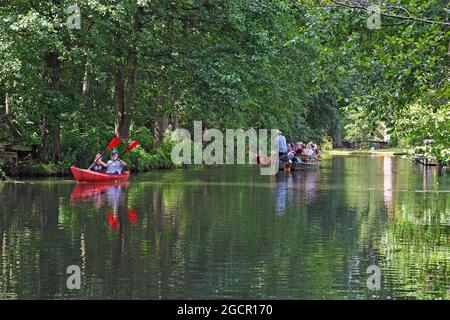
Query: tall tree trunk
56,150
174,119
84,95
85,88
50,146
6,103
119,98
125,98
161,121
160,127
8,119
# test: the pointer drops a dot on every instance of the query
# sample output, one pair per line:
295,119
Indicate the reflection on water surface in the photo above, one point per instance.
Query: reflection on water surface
232,233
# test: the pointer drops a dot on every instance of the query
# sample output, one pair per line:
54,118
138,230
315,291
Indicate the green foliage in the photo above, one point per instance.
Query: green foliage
327,144
421,121
138,159
145,139
437,152
159,158
358,126
237,64
309,70
388,70
41,169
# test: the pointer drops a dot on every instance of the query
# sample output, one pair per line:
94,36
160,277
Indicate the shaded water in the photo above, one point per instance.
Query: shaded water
232,233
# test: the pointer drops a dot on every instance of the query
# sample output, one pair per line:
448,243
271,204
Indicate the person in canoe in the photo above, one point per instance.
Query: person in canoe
312,152
316,151
115,165
98,165
291,152
298,148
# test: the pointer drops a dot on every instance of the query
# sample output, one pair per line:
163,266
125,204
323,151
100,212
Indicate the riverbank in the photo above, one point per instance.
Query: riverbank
380,152
31,169
144,163
390,152
138,160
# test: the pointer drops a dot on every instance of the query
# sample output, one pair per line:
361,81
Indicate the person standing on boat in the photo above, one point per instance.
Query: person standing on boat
115,165
283,150
280,142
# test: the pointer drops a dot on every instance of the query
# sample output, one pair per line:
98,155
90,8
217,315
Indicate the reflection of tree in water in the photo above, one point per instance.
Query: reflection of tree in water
30,229
307,182
418,235
117,270
388,182
203,240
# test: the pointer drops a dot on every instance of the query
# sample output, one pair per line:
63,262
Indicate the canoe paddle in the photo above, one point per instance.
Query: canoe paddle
133,145
112,144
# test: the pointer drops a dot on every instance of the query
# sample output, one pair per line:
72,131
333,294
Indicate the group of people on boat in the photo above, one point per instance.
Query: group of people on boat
113,166
296,152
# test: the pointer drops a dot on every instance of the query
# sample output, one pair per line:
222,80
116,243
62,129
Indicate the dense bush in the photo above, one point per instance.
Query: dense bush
160,158
436,151
327,144
421,122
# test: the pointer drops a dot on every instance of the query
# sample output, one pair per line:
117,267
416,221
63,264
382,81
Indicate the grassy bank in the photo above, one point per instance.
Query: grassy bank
407,153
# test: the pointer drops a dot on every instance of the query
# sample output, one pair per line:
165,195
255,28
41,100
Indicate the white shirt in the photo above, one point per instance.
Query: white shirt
114,167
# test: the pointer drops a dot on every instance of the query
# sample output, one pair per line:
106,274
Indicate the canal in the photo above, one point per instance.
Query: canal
230,232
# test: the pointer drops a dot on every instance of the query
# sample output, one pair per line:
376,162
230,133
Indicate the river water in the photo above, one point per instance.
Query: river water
230,232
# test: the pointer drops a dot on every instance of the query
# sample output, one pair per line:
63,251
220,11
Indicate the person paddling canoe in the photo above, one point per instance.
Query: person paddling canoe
115,165
98,165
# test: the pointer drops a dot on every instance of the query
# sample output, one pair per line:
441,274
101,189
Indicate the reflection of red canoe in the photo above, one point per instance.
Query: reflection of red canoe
88,190
91,176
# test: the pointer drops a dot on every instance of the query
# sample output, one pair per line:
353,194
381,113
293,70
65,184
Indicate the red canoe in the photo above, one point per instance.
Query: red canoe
83,175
